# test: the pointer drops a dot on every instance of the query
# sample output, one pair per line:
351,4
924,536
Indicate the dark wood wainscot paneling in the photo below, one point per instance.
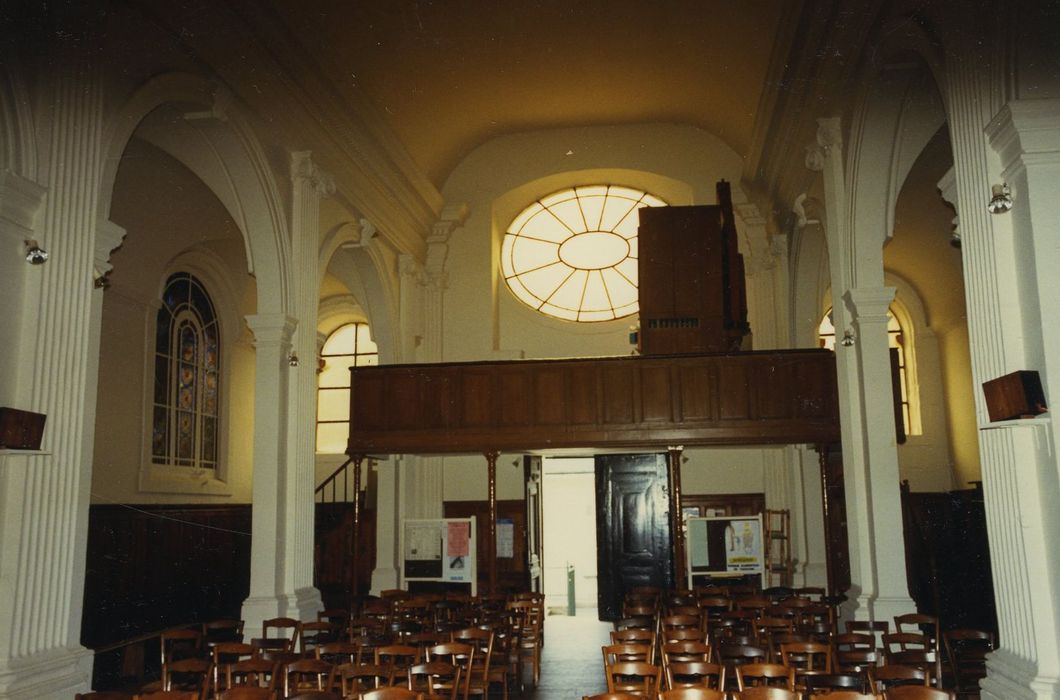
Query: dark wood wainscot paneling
153,566
781,397
512,574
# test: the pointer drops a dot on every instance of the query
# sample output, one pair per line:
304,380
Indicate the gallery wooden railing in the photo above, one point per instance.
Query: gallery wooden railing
754,398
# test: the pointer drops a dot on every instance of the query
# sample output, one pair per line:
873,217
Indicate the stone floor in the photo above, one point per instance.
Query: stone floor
571,665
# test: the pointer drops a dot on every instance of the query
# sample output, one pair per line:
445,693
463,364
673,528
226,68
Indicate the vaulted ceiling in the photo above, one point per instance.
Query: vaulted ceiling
448,76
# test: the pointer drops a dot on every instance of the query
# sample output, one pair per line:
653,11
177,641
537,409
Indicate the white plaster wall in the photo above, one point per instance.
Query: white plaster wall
167,212
724,470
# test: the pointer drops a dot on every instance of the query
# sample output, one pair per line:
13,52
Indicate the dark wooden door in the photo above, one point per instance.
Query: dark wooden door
633,527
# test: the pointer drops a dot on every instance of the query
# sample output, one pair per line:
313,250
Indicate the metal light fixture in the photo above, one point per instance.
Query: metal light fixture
292,360
848,339
35,255
1001,201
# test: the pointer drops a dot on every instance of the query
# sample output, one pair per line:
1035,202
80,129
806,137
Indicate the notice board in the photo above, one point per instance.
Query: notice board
725,546
439,549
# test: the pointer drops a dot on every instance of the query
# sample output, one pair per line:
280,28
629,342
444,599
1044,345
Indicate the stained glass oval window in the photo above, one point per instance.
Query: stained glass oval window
573,254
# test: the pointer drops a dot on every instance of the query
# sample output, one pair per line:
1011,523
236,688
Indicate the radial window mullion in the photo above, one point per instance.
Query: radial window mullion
583,224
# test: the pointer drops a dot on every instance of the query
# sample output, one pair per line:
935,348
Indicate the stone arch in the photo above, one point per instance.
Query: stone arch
219,147
352,252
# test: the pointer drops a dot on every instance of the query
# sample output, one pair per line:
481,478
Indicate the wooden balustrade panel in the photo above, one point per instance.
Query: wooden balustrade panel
777,397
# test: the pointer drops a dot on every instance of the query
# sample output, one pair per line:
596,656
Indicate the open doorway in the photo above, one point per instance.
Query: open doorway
569,534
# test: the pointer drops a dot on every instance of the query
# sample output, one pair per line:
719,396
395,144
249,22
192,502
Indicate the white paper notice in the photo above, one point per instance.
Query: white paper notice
505,538
423,541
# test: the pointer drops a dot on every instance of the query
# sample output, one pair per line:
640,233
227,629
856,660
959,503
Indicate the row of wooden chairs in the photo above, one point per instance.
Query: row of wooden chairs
764,693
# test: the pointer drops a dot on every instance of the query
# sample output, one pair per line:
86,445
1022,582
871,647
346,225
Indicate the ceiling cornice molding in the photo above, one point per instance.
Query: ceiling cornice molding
287,90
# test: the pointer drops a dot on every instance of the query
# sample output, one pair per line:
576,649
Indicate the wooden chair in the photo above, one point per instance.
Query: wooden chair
638,622
851,695
392,693
733,655
772,675
178,644
531,632
169,695
912,692
966,652
766,693
307,674
187,674
634,677
316,695
694,693
218,631
355,679
313,634
807,658
338,653
252,673
613,653
831,682
887,676
225,654
279,633
398,658
633,635
694,674
435,680
103,695
612,696
455,654
476,682
684,652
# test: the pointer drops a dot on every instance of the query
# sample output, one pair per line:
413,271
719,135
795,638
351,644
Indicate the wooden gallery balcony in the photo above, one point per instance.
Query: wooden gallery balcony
753,398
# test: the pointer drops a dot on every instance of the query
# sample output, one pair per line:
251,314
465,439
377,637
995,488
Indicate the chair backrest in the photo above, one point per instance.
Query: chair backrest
169,695
889,676
737,654
179,644
614,653
851,695
835,681
307,674
807,656
435,679
222,631
103,695
685,651
777,675
186,674
636,677
354,679
314,695
397,656
766,693
633,635
692,694
612,696
697,674
917,622
260,673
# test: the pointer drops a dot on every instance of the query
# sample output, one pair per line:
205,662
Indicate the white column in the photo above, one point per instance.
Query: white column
870,457
276,554
1019,458
879,493
44,497
389,516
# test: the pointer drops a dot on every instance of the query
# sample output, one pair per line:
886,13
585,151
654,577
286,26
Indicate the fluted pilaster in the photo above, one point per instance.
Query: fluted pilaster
45,497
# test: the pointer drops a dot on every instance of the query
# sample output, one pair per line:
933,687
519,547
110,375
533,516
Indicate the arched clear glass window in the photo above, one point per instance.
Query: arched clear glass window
348,346
896,338
187,386
573,254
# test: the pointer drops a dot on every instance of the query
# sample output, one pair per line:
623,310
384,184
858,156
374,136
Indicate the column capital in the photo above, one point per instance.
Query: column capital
451,218
305,171
828,142
868,304
271,329
109,236
807,210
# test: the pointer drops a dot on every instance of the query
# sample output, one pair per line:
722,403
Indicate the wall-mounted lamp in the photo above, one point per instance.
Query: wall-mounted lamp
292,360
1001,201
955,240
102,282
848,339
35,255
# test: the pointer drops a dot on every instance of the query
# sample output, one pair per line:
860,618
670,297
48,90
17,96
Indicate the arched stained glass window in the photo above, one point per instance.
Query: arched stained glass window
573,254
348,346
187,376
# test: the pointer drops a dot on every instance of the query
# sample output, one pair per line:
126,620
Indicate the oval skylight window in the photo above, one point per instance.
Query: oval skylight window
573,254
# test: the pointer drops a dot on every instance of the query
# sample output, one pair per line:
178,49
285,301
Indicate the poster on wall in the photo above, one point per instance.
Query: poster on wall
458,546
505,538
725,547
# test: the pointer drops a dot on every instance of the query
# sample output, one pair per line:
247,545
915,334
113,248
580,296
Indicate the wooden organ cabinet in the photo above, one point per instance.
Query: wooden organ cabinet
692,295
